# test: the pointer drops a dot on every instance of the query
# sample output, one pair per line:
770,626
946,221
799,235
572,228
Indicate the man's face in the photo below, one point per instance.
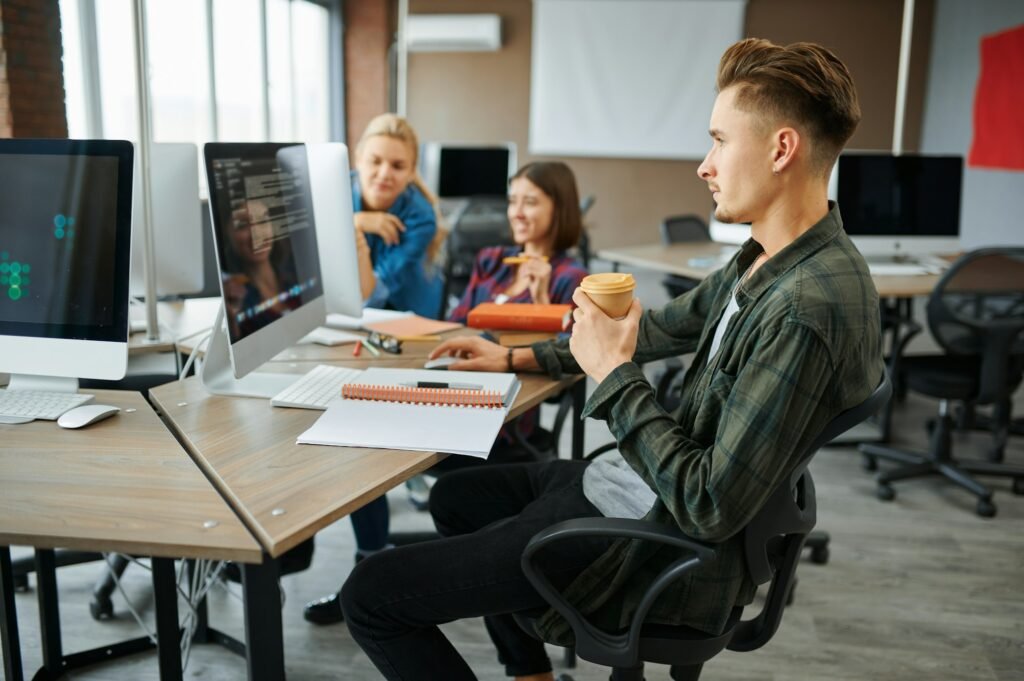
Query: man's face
738,169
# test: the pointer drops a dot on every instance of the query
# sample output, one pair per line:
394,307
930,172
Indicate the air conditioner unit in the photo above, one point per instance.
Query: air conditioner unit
453,32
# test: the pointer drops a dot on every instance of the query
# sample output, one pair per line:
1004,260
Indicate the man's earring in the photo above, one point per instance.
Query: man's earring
775,170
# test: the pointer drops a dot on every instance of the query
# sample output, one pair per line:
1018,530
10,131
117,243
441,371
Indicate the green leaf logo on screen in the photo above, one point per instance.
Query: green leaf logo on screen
63,226
14,276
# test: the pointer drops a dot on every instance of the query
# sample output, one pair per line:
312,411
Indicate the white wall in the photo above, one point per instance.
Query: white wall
992,210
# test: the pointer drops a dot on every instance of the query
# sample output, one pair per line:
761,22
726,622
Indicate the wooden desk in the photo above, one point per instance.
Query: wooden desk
124,485
287,492
675,259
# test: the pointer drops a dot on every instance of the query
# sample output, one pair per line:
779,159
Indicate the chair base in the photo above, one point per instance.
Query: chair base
939,461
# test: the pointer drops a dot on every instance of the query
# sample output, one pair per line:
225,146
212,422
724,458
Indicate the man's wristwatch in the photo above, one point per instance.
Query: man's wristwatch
509,360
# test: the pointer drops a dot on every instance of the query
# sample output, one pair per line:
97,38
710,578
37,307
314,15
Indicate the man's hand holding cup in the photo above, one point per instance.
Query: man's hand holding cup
599,342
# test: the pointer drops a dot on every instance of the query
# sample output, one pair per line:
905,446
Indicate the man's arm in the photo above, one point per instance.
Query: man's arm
768,414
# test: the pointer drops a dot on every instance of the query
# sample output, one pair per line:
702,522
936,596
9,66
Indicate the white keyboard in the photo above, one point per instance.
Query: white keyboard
38,404
315,389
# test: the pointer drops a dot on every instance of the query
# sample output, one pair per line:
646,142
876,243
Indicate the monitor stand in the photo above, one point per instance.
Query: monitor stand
218,375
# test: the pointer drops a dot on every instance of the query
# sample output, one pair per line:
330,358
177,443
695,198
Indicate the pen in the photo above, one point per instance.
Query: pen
436,384
356,350
369,346
520,259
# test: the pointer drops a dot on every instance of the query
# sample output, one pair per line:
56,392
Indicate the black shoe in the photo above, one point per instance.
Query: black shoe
326,610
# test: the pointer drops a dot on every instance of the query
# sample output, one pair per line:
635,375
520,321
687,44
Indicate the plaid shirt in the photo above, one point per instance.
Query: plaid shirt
491,277
804,346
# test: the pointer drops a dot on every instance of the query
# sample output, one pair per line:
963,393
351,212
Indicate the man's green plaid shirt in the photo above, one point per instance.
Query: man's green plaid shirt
804,346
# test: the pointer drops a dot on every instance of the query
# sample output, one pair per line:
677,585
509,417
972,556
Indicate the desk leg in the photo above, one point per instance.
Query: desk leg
49,611
264,634
579,400
165,593
11,645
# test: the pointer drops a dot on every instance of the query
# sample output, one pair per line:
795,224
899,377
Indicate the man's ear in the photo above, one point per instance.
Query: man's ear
786,143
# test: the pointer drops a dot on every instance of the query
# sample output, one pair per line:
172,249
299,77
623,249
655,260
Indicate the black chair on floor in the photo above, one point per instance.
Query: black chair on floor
976,315
773,539
679,229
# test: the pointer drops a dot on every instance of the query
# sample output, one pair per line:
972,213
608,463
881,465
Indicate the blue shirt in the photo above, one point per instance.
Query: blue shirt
404,279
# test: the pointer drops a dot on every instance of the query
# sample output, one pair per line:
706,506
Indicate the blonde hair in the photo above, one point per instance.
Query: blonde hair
394,126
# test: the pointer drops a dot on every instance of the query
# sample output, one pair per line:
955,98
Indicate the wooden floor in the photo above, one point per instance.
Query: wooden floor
917,588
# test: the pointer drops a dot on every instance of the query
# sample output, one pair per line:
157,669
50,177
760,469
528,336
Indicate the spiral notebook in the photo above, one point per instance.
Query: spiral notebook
459,412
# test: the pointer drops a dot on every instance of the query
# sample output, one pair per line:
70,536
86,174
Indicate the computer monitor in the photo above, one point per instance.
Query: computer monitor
272,292
331,187
177,222
891,204
468,170
65,244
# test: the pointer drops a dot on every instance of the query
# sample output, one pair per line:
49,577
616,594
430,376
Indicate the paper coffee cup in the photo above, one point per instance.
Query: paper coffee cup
610,291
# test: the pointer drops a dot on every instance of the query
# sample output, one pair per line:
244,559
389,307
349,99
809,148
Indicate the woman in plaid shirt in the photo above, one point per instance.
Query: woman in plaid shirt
544,215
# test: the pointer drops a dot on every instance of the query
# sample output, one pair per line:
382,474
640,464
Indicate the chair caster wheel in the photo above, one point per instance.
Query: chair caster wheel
1018,485
986,509
870,463
101,609
819,556
21,582
885,492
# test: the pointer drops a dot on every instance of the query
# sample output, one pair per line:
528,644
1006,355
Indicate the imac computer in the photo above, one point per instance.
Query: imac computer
459,172
65,245
264,207
900,208
177,222
331,187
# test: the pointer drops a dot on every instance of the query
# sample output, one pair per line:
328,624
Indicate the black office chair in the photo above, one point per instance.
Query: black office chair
773,542
679,229
976,315
479,226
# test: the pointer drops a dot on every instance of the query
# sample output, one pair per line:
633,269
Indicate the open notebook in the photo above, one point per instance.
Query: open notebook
458,412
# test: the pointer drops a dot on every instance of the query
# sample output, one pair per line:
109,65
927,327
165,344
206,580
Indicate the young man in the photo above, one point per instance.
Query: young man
785,336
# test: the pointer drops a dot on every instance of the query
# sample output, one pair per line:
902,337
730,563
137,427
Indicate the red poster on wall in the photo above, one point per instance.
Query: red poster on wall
999,103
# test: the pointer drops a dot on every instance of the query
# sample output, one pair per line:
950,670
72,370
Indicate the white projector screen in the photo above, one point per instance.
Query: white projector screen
627,78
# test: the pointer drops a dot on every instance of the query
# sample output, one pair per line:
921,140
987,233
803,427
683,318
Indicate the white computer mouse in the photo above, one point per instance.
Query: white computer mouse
86,414
441,362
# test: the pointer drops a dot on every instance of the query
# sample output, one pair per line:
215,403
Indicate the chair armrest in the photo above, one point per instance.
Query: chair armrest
626,645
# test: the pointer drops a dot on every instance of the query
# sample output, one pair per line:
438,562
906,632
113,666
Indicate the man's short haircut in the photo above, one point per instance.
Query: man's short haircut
803,84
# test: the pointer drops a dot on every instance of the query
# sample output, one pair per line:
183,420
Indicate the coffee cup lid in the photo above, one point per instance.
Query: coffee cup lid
608,282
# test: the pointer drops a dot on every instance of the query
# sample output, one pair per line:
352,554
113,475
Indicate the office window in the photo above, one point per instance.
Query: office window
74,86
179,83
99,69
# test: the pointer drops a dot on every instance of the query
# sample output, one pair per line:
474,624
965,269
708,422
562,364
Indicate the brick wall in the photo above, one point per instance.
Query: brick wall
369,28
31,74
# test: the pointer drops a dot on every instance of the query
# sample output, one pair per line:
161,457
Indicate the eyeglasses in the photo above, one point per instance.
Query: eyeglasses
385,342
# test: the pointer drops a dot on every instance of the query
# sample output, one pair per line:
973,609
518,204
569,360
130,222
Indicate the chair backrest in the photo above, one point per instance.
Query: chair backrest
682,228
479,226
977,308
773,539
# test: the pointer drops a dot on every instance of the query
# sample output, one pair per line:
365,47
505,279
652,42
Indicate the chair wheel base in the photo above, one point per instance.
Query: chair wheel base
870,463
819,555
101,609
986,509
1018,486
885,492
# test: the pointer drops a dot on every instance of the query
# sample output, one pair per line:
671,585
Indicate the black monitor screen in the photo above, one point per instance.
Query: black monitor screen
262,212
473,171
65,236
883,195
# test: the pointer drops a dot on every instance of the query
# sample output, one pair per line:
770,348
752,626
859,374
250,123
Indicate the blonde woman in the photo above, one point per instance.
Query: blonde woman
395,213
